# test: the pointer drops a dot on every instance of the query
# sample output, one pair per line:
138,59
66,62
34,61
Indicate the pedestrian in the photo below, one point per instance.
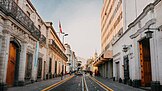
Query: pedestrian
62,75
91,73
70,72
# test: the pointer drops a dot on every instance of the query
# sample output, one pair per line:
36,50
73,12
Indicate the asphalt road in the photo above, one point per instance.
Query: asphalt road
93,86
74,84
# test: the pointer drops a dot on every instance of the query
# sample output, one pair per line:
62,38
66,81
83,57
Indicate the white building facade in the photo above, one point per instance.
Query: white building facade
72,59
137,56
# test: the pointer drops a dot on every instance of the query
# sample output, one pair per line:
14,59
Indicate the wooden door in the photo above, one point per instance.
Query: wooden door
11,65
145,61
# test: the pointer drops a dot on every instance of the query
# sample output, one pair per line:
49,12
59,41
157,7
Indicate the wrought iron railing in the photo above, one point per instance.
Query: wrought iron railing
54,45
10,8
42,39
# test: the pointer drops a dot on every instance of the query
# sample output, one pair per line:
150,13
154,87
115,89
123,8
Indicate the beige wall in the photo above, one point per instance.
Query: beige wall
111,21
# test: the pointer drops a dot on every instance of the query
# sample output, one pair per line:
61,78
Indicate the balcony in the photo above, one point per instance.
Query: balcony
10,8
42,40
56,48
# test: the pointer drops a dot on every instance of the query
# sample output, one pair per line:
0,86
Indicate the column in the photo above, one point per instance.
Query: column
21,80
33,72
4,52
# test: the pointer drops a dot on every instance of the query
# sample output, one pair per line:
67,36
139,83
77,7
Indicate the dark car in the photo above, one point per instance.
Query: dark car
78,73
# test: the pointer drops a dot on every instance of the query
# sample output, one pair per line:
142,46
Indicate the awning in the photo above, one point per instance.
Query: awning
104,57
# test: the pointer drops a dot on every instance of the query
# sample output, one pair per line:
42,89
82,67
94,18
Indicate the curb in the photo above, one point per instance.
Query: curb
57,84
101,84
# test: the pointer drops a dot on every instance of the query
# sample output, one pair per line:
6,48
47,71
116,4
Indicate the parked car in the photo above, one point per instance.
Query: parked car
78,73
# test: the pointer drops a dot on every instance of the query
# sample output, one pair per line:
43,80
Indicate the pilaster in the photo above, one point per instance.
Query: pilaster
22,63
4,52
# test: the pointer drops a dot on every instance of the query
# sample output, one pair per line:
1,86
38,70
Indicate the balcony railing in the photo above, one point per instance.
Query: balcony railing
54,45
42,39
10,8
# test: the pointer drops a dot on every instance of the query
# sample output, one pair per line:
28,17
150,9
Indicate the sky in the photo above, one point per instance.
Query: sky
80,19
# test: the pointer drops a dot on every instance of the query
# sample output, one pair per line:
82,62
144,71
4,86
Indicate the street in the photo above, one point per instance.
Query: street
76,84
80,45
73,84
93,86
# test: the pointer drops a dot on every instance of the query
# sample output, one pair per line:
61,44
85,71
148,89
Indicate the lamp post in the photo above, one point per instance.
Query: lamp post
65,34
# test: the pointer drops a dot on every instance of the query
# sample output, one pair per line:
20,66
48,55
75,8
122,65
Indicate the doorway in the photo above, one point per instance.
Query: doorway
126,68
117,71
44,70
145,61
28,69
50,68
39,71
55,67
13,63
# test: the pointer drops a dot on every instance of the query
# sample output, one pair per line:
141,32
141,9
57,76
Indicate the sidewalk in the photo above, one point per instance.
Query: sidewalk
37,86
116,86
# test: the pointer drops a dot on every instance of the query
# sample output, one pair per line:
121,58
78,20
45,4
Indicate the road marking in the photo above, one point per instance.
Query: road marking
86,87
57,84
82,84
101,84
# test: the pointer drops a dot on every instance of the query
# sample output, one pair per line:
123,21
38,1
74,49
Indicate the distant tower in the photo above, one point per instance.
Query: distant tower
95,55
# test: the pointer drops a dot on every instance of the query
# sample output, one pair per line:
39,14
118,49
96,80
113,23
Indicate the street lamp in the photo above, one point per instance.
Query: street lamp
126,47
149,33
65,34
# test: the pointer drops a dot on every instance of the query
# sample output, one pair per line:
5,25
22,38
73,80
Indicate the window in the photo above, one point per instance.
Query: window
39,27
28,14
50,65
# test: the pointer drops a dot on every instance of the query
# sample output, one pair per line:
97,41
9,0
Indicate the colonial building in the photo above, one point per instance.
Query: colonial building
90,62
30,49
138,49
56,57
72,59
19,40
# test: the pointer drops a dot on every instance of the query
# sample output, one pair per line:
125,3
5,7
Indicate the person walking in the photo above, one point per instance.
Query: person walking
70,72
62,75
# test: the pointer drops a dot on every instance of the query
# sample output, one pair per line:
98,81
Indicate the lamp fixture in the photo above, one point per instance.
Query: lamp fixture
149,33
126,47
